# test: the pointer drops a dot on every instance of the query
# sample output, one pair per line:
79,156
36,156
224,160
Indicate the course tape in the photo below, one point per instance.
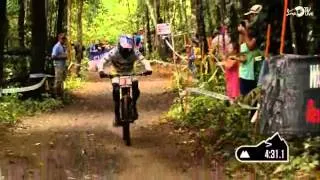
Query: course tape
172,49
166,63
184,59
28,88
219,96
73,64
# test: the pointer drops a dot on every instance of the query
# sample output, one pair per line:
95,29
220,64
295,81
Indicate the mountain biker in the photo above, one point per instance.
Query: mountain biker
122,58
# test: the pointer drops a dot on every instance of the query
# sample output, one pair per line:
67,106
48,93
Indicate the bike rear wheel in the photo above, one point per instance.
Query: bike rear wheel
126,117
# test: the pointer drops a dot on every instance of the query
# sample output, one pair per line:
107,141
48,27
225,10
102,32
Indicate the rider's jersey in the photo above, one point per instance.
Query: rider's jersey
122,65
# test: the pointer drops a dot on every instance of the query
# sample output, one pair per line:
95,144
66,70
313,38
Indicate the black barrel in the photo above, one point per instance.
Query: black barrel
291,96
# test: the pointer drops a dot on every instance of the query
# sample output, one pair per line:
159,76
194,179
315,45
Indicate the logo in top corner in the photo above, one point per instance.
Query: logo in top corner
300,11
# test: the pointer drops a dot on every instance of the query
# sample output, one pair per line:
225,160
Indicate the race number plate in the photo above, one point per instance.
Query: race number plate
125,81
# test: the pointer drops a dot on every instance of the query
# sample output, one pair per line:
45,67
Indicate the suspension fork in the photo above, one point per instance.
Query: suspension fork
125,91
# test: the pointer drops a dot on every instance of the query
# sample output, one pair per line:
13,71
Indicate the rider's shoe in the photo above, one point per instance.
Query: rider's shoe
116,122
135,114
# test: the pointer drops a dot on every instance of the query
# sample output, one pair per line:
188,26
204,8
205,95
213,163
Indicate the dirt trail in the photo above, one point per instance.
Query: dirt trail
79,142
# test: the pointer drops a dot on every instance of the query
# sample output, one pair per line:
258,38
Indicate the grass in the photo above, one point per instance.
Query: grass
12,108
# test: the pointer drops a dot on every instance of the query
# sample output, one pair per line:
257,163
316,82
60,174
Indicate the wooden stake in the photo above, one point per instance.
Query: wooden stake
284,23
266,52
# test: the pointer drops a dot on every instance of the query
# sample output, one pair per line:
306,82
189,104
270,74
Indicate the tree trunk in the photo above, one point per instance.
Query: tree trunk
149,40
21,23
181,14
201,26
193,13
60,17
209,16
184,14
39,35
157,2
152,14
3,34
79,52
223,10
293,31
156,39
39,39
159,43
28,22
69,3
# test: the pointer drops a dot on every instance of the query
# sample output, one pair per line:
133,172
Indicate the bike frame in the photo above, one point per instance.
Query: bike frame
125,88
125,83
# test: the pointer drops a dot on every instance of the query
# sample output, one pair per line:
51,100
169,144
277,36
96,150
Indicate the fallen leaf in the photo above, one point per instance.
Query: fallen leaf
37,144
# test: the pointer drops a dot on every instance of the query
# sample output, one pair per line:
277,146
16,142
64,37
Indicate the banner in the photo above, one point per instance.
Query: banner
291,90
163,29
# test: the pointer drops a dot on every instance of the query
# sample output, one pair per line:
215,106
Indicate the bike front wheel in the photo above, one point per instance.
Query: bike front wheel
126,109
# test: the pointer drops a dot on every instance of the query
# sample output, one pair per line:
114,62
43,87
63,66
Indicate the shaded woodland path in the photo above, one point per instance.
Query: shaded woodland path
79,142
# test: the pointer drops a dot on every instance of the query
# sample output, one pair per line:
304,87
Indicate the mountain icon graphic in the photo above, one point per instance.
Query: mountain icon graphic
244,154
272,149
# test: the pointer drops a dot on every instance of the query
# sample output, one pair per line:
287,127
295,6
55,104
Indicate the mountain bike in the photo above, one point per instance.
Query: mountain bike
125,83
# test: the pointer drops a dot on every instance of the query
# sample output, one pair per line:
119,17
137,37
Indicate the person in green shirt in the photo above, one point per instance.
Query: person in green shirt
248,52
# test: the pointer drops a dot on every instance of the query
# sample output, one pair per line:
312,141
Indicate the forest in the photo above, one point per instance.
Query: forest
190,108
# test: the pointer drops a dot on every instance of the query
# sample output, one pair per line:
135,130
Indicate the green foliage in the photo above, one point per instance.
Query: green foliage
303,159
108,20
222,127
11,108
176,112
73,82
12,7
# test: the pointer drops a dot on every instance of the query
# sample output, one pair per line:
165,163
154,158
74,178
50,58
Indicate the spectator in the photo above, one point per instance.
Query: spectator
139,40
78,50
257,24
246,71
106,46
221,44
231,64
248,49
253,14
92,50
215,33
59,56
194,56
93,57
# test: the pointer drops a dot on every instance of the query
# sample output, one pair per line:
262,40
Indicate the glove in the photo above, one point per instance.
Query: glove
104,75
146,73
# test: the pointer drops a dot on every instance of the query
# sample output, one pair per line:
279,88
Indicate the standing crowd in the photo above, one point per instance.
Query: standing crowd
95,52
240,58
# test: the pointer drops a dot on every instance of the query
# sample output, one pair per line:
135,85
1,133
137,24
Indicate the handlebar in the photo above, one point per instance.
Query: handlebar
123,74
